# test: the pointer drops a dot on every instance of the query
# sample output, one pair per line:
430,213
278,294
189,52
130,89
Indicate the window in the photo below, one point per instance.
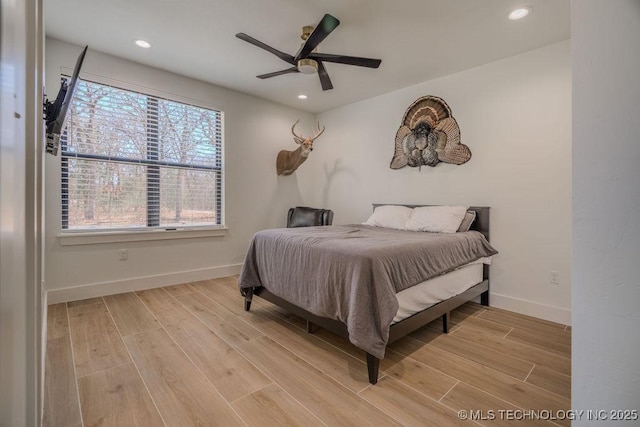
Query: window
136,161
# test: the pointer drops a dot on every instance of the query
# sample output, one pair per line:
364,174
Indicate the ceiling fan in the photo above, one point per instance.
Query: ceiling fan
307,60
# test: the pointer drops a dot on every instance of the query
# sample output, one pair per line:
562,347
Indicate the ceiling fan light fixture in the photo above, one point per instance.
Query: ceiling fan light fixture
307,60
307,66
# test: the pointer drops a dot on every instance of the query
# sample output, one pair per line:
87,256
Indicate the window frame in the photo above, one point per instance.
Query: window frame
150,232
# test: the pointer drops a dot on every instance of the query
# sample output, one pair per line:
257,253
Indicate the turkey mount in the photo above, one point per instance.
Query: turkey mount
307,60
428,135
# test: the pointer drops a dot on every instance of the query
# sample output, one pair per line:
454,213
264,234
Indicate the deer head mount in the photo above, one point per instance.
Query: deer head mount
288,161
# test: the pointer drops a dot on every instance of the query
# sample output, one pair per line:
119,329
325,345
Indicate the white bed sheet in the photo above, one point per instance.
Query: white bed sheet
432,291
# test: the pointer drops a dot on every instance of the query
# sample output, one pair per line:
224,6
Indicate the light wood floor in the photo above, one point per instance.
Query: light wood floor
189,355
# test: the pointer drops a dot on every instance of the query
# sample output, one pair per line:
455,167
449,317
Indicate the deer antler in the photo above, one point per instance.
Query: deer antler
300,139
319,132
297,138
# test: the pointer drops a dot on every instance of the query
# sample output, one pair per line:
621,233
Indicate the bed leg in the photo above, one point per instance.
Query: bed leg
373,363
484,298
309,327
445,322
247,305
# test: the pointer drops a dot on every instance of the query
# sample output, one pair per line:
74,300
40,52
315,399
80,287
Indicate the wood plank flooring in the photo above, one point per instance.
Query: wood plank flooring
190,355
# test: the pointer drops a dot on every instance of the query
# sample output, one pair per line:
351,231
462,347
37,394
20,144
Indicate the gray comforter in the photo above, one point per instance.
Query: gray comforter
351,273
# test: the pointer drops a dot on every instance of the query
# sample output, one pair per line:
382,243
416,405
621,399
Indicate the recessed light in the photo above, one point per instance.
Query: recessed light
302,96
144,44
519,13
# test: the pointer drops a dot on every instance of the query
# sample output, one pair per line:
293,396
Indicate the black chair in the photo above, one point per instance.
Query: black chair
302,216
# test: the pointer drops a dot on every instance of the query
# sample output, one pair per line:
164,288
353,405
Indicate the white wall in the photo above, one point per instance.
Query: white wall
21,305
515,115
256,198
606,205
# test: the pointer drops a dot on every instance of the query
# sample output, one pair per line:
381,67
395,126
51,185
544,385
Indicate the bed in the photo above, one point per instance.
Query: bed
350,279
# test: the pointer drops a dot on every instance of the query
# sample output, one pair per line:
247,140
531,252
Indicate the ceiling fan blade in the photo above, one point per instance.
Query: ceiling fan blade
349,60
325,81
278,73
284,56
322,30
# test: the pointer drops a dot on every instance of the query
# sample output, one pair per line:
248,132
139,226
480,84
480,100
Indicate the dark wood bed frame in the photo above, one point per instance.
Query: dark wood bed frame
408,325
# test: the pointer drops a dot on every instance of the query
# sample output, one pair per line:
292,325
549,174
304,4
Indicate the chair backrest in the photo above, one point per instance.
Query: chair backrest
302,216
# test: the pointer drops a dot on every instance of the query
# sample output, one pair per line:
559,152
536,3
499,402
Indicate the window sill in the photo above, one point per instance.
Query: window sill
92,237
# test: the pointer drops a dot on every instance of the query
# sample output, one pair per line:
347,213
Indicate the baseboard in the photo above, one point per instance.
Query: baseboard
541,311
139,283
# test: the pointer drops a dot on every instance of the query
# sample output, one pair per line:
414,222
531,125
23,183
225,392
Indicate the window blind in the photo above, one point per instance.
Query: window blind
133,160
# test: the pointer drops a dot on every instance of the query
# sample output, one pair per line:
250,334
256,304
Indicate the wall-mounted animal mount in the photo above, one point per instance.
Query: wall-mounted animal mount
288,161
428,135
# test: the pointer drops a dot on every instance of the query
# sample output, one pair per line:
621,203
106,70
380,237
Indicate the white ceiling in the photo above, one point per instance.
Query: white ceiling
417,40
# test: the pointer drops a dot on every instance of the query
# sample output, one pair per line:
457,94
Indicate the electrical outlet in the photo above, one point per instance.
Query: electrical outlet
124,254
554,278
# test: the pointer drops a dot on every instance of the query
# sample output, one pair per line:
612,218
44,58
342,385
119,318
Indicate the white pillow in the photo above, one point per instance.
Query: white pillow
436,219
390,217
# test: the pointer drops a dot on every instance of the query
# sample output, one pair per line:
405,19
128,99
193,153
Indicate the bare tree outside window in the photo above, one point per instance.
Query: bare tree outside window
132,160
